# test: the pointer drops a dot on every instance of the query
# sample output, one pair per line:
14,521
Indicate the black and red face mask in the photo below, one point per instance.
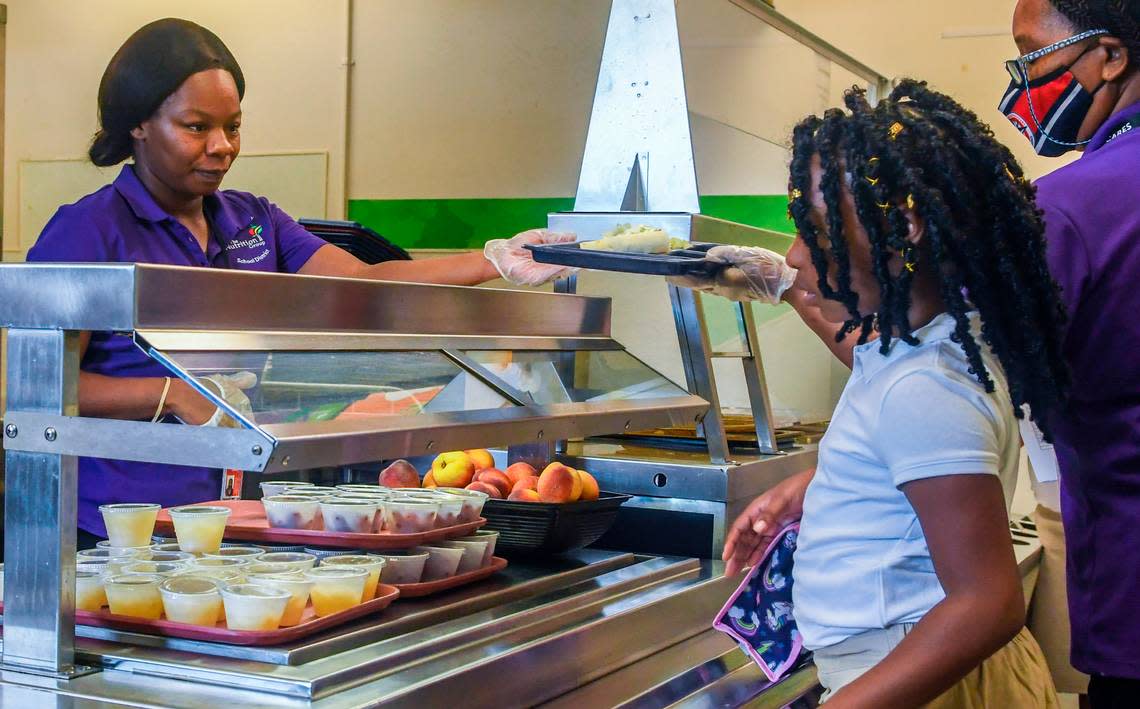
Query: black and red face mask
1049,110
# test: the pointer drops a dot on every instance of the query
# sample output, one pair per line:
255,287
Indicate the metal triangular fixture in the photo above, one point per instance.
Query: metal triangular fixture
634,199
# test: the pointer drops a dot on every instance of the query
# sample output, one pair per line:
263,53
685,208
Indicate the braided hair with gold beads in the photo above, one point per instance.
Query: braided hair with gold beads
984,237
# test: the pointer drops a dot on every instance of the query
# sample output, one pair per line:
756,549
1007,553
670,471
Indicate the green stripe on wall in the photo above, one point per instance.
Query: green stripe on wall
468,223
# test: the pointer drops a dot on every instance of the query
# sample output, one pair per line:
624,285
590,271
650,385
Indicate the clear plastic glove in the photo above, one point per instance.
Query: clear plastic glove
231,388
747,273
517,265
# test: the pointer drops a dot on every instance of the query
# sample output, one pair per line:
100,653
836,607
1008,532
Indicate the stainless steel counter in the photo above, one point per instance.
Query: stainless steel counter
528,636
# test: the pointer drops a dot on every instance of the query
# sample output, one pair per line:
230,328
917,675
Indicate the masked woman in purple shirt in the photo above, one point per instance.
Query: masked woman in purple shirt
170,101
1076,86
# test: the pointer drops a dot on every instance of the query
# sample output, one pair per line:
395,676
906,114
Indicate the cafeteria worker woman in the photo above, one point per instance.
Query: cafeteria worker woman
170,100
1076,87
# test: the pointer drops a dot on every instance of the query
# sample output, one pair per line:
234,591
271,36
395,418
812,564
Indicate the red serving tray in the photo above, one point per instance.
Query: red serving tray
309,624
427,588
247,522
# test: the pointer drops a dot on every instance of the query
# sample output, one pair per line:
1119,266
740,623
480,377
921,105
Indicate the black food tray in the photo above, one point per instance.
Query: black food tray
549,528
686,262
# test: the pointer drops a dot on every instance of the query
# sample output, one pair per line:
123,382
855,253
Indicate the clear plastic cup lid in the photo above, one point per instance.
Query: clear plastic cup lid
129,507
190,585
288,497
134,579
200,510
285,557
352,560
349,502
235,553
108,553
152,567
219,563
254,591
175,557
333,572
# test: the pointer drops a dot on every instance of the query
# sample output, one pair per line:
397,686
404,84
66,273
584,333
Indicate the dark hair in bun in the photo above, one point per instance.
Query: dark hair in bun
151,65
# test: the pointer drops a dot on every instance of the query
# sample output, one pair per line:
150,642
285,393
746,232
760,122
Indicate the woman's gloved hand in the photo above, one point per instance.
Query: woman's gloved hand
746,273
231,388
517,265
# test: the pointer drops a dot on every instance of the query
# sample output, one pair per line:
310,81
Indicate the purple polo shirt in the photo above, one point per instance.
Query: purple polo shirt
121,223
1092,221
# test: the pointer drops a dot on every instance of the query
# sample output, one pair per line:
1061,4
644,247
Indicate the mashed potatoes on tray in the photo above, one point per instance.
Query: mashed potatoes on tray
640,239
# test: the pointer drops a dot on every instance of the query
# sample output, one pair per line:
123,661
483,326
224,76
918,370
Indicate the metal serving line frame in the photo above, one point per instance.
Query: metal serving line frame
638,167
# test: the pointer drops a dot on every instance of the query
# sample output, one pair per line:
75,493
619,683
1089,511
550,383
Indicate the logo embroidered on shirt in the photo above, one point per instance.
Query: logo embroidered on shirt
255,239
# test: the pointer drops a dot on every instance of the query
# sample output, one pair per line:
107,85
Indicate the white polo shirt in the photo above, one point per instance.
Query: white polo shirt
862,561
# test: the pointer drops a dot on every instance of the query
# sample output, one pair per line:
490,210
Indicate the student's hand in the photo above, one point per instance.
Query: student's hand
517,265
762,520
746,273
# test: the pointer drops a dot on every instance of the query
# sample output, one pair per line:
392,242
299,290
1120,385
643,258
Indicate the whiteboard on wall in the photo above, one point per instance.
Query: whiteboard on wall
296,182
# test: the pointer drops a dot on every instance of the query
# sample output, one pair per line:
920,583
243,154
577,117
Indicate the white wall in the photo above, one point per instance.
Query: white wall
291,52
957,46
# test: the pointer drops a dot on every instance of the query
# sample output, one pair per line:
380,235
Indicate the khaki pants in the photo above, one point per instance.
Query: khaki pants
1014,676
1049,610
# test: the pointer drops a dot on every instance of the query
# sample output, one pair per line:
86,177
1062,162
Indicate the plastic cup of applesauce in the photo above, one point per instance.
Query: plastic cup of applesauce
139,553
165,569
270,488
341,515
207,562
199,528
223,575
166,547
169,557
249,554
473,550
261,568
89,592
135,595
442,562
296,584
336,588
250,607
408,516
292,511
115,559
473,502
129,524
192,599
402,566
374,565
294,559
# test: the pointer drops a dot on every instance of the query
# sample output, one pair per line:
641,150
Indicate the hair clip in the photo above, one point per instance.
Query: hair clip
873,180
796,194
910,201
1010,173
895,129
885,206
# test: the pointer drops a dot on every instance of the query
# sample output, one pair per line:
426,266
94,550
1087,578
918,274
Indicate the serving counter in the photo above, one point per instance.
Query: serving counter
464,367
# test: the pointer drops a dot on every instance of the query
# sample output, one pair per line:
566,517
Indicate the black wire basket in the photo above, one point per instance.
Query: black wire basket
550,528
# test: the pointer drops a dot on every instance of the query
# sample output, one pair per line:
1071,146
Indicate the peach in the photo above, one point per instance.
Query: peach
557,483
518,471
452,469
481,458
400,474
487,488
530,483
590,490
495,477
522,494
429,480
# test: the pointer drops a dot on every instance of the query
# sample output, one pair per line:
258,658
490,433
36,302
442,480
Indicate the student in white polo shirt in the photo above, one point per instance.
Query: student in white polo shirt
921,258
